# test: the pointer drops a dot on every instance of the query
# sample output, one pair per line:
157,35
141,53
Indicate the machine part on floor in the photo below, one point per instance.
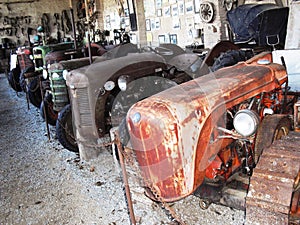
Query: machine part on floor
274,191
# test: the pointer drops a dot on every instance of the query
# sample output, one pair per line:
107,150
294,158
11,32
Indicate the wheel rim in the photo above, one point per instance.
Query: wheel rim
207,12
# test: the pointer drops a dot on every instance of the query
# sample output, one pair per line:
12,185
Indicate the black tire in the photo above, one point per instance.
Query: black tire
64,129
230,58
34,92
22,77
13,79
123,132
51,114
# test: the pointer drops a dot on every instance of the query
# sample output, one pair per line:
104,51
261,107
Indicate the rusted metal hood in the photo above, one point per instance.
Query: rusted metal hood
170,132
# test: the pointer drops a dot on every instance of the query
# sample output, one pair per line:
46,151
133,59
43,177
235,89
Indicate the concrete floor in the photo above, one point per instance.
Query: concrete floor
43,183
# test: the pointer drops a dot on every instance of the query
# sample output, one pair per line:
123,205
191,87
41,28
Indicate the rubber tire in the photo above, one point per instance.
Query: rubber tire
14,79
123,132
34,92
51,114
66,136
230,58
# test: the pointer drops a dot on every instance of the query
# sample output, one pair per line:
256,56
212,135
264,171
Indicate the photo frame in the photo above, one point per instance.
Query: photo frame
158,4
181,7
167,11
176,23
189,7
197,6
174,8
148,25
126,12
107,19
173,38
152,24
161,39
157,23
159,12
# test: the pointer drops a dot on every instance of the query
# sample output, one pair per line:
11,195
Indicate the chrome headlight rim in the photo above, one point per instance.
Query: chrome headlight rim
55,75
45,74
122,82
246,122
109,85
65,73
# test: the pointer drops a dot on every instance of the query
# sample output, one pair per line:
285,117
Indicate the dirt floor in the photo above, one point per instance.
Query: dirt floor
43,183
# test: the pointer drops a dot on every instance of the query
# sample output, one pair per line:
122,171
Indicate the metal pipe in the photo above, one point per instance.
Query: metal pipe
88,31
73,27
125,179
44,108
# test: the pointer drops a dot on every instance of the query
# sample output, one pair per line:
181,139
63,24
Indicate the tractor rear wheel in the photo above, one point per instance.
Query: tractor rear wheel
51,114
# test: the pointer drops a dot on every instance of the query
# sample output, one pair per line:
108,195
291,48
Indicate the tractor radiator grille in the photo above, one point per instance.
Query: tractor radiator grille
84,107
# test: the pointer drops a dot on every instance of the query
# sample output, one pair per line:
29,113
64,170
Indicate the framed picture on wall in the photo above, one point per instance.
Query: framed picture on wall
181,7
173,38
157,23
189,7
174,10
152,24
161,39
148,25
167,11
126,12
176,23
159,12
158,4
107,19
197,6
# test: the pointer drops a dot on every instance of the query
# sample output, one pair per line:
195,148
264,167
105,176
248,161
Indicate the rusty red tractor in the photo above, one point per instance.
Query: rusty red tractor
210,135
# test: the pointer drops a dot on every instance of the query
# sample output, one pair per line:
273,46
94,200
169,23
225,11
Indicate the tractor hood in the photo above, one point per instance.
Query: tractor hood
91,85
170,131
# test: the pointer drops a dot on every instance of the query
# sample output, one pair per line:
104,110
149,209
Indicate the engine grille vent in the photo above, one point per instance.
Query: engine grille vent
84,107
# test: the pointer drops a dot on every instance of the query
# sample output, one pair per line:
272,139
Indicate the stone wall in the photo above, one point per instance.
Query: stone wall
17,19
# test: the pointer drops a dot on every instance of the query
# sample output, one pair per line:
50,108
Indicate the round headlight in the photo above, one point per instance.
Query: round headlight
245,122
109,85
136,117
55,75
45,74
65,73
122,82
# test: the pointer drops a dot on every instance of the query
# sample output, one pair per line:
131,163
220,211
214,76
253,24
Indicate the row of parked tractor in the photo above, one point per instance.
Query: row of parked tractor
45,87
194,126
